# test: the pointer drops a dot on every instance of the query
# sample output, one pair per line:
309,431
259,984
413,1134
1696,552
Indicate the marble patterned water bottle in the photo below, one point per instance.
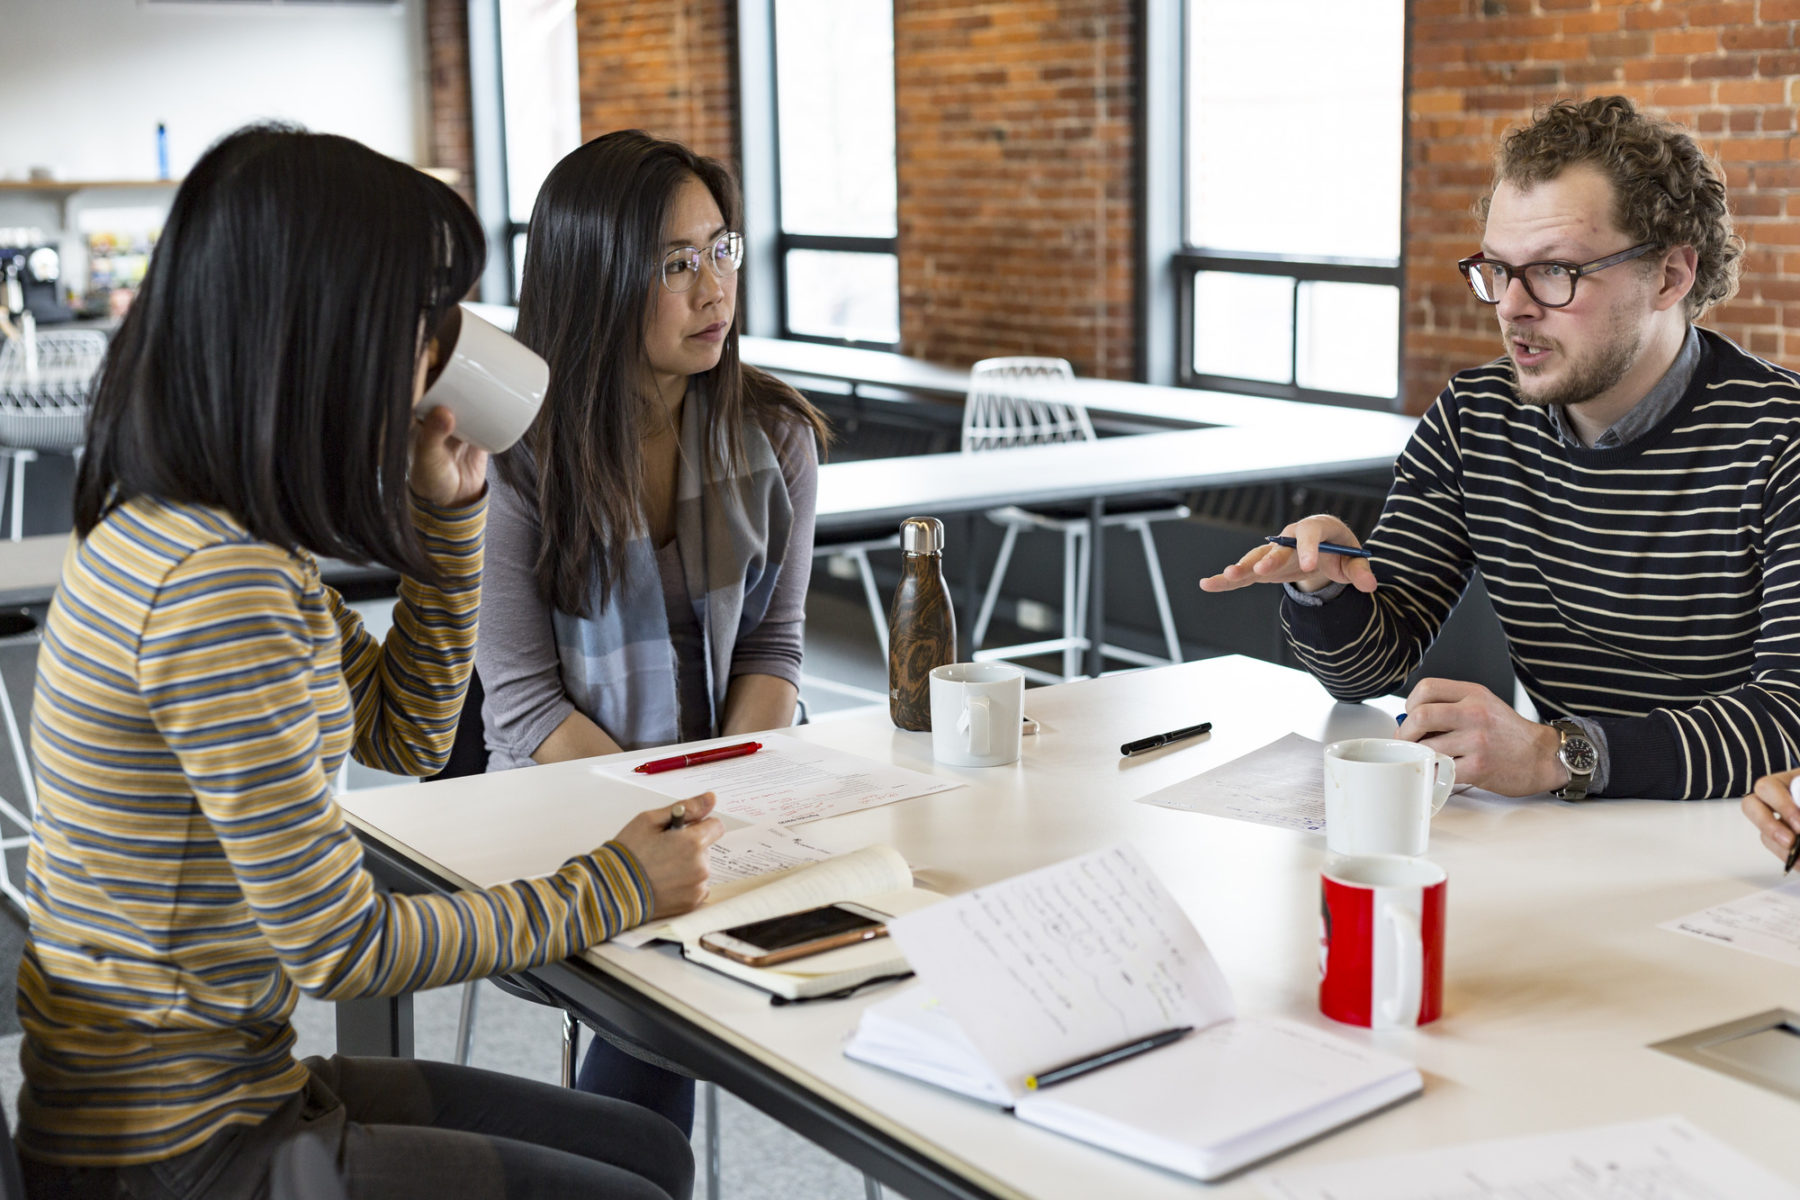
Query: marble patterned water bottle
921,624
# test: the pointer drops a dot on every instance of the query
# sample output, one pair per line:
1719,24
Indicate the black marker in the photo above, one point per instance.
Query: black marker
1163,739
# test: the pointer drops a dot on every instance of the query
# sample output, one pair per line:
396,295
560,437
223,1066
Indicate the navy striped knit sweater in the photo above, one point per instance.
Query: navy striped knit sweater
1653,588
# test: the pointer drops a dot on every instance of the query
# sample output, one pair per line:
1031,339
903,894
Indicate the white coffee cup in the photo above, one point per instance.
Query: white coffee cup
977,710
491,382
1381,793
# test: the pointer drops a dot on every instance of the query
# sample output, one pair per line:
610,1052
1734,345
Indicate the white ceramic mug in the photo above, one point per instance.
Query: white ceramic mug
1381,793
977,710
491,382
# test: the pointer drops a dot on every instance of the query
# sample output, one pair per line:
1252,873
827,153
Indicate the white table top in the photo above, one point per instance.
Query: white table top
30,568
901,372
880,489
1557,977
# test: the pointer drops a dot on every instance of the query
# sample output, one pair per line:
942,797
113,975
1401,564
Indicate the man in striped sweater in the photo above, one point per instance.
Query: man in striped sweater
1624,481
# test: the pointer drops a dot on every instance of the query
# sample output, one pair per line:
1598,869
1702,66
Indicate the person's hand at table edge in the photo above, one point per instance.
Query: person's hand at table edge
1772,810
1494,747
672,853
1305,566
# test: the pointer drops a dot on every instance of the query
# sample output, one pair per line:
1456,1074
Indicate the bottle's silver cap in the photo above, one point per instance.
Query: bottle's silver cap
922,535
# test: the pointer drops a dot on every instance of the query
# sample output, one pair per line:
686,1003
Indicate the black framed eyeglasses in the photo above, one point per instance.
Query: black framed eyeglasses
1550,283
681,266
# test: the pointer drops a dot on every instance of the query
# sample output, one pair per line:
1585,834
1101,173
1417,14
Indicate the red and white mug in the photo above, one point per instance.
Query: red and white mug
1381,951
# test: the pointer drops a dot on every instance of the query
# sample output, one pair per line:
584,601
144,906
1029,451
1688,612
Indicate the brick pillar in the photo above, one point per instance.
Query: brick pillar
1015,139
1726,70
668,67
447,42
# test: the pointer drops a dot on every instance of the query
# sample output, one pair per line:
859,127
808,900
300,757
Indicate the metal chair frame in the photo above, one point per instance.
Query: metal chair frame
15,737
999,415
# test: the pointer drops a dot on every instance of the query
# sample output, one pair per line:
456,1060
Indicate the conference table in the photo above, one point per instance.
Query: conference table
1558,979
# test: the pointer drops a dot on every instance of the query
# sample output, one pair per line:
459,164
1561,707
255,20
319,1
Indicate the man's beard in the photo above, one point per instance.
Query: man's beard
1583,380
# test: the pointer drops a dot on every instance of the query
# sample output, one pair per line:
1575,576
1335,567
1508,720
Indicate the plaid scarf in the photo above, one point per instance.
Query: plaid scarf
618,666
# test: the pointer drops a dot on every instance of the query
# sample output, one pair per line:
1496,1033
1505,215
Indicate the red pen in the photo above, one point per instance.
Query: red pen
658,765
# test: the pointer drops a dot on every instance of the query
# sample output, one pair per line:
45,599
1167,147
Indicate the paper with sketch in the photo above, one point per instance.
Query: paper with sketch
1282,784
746,857
1765,923
1059,963
1664,1159
786,782
870,871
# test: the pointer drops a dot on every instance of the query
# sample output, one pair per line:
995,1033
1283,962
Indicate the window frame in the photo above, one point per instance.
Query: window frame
780,241
1187,260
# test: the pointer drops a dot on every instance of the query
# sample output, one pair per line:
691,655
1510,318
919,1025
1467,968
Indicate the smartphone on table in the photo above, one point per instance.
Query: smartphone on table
796,935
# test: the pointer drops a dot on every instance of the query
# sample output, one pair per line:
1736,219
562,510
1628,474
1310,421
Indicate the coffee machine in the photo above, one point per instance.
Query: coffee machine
31,276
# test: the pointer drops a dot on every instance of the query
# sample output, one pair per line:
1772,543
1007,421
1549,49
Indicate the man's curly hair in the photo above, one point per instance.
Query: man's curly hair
1668,191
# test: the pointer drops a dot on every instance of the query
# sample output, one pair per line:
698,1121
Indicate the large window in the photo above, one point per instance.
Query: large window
540,108
834,133
1290,276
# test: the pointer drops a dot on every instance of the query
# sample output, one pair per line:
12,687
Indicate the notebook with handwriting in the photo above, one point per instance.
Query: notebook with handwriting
1059,964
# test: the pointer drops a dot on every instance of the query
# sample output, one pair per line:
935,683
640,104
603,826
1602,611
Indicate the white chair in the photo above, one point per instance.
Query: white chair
1014,402
44,383
855,545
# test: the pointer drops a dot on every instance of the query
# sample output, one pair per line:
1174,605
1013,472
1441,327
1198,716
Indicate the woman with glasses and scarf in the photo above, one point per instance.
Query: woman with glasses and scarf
650,539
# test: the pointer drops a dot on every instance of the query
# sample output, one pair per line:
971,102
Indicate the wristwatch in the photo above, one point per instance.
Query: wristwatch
1577,754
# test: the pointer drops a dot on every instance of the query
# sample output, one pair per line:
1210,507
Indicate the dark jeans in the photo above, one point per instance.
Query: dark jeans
401,1129
607,1070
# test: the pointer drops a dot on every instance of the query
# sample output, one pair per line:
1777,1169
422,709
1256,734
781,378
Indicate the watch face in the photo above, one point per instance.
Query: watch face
1578,755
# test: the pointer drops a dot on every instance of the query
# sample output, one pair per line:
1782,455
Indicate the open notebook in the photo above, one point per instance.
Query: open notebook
875,876
1058,964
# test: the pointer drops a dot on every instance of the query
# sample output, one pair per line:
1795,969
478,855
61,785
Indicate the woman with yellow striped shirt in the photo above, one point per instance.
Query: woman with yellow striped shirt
198,687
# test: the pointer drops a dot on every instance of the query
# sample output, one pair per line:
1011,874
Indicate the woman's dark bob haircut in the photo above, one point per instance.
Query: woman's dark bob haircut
267,365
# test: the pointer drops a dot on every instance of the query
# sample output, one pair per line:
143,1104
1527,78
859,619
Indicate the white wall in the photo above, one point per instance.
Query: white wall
86,81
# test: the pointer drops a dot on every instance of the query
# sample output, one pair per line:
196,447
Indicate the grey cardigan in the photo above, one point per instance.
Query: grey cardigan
517,653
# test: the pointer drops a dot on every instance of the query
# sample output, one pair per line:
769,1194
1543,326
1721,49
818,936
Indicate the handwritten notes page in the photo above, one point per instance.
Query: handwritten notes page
1765,923
1062,962
787,782
860,874
746,857
1665,1159
1282,784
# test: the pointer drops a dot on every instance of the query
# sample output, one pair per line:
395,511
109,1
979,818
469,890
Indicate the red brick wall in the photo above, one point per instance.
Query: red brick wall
665,66
1724,68
1015,144
447,47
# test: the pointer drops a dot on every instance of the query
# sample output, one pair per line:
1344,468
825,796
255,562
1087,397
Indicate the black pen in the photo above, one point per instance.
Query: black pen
677,816
1330,547
1163,739
1106,1058
1793,855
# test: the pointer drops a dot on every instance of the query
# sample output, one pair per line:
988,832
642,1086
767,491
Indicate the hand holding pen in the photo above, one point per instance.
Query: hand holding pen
1309,554
669,844
1774,808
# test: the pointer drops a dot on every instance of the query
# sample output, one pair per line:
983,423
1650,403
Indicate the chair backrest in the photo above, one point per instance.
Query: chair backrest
44,390
1001,411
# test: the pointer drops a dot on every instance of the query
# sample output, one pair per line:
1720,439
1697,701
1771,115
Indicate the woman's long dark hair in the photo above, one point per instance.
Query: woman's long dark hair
593,258
266,367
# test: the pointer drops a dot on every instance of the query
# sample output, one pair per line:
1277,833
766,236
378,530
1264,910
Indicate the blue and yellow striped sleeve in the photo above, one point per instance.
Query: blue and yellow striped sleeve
233,674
